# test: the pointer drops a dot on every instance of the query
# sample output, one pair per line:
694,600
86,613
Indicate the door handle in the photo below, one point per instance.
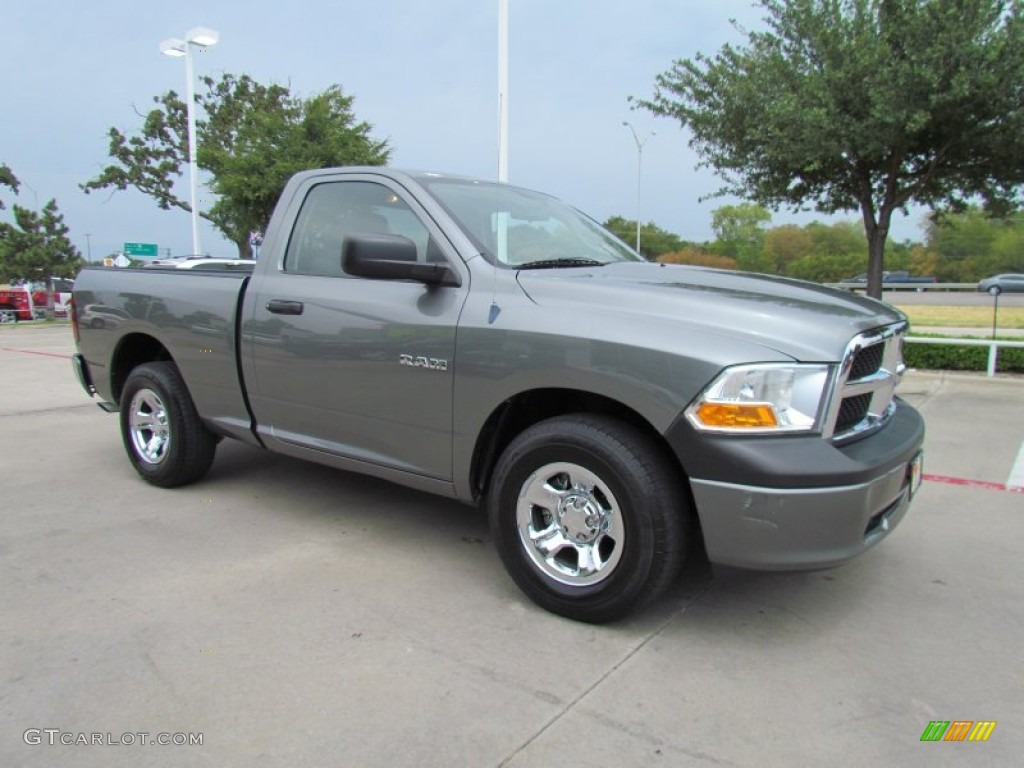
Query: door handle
283,307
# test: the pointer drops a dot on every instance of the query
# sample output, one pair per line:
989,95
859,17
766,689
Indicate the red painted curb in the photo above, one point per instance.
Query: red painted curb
33,352
963,481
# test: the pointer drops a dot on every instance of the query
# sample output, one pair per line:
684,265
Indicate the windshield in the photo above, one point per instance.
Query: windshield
521,229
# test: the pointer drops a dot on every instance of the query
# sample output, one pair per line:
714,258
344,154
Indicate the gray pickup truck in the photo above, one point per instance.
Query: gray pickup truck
492,344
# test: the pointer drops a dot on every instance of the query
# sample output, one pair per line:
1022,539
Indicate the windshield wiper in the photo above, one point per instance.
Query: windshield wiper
565,262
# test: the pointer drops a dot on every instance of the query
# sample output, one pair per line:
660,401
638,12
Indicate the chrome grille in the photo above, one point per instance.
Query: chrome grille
852,411
862,401
867,361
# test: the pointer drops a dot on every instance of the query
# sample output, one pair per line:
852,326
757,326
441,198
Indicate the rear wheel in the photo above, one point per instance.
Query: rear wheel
162,432
588,516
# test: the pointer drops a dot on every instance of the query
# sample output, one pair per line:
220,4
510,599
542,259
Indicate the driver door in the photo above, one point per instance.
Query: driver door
330,352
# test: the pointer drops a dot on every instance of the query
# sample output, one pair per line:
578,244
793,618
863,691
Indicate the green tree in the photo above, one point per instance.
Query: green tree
36,246
1007,253
843,238
923,261
252,139
696,256
898,255
784,245
654,241
7,179
739,234
825,267
865,105
970,245
837,252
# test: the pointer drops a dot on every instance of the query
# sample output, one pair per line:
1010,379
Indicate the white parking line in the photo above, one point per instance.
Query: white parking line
1016,478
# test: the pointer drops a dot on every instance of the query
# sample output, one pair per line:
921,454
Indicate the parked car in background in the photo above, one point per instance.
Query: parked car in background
201,263
17,302
1002,284
100,316
896,276
61,295
32,300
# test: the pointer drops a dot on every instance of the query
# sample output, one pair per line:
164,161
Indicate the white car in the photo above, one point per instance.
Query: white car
200,262
99,316
1002,284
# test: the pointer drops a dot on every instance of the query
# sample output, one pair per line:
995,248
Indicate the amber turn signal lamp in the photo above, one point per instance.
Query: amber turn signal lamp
750,415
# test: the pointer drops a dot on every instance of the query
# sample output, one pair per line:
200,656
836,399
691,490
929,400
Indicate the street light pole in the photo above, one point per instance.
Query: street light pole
193,167
201,36
639,170
88,245
503,90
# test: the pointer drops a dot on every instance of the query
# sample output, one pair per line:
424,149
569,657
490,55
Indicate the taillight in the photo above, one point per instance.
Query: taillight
73,314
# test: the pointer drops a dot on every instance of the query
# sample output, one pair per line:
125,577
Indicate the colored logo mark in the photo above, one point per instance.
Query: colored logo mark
958,730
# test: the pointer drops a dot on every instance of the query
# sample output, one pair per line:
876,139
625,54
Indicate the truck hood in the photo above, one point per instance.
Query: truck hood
805,321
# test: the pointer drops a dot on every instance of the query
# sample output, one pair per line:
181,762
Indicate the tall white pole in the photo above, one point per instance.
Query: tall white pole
639,185
193,168
639,174
502,90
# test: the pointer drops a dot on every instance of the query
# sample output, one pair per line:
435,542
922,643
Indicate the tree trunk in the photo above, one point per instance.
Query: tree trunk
244,249
877,232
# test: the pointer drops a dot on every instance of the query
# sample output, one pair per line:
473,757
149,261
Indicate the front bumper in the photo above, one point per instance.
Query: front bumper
801,503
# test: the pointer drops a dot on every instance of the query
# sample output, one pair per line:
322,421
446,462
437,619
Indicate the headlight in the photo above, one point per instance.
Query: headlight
762,398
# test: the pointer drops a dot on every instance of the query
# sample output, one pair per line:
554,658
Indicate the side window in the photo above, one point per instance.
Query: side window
334,210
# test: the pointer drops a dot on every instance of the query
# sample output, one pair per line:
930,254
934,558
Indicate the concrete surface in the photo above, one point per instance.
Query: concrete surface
298,616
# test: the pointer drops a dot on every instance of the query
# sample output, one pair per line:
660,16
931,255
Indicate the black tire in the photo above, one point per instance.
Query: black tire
590,554
162,433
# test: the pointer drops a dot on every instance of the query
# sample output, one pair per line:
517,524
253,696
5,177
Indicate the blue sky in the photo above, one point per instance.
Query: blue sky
423,73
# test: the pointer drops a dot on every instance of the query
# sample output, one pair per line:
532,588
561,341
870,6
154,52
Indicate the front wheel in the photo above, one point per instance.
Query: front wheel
588,516
166,441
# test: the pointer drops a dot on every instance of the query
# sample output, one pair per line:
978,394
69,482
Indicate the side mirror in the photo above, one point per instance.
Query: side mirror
391,257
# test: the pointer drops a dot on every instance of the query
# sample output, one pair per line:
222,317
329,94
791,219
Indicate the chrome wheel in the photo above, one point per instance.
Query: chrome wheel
167,443
570,524
148,426
587,514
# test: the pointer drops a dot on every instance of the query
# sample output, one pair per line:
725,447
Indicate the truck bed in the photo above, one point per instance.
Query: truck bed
195,314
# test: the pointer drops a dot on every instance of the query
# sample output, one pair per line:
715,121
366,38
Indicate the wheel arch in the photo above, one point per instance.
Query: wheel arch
527,408
133,350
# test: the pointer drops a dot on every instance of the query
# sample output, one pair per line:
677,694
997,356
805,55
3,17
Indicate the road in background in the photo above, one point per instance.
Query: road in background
297,615
951,298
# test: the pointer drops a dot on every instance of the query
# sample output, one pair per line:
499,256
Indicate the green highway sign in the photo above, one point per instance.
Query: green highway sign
140,249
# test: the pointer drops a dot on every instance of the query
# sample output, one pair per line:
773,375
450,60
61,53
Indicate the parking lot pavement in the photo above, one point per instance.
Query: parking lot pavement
296,615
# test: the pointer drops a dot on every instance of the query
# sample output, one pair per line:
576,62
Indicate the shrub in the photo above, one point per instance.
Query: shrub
955,357
698,257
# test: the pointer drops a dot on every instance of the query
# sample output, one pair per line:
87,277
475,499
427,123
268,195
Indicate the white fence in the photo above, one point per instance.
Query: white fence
992,344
